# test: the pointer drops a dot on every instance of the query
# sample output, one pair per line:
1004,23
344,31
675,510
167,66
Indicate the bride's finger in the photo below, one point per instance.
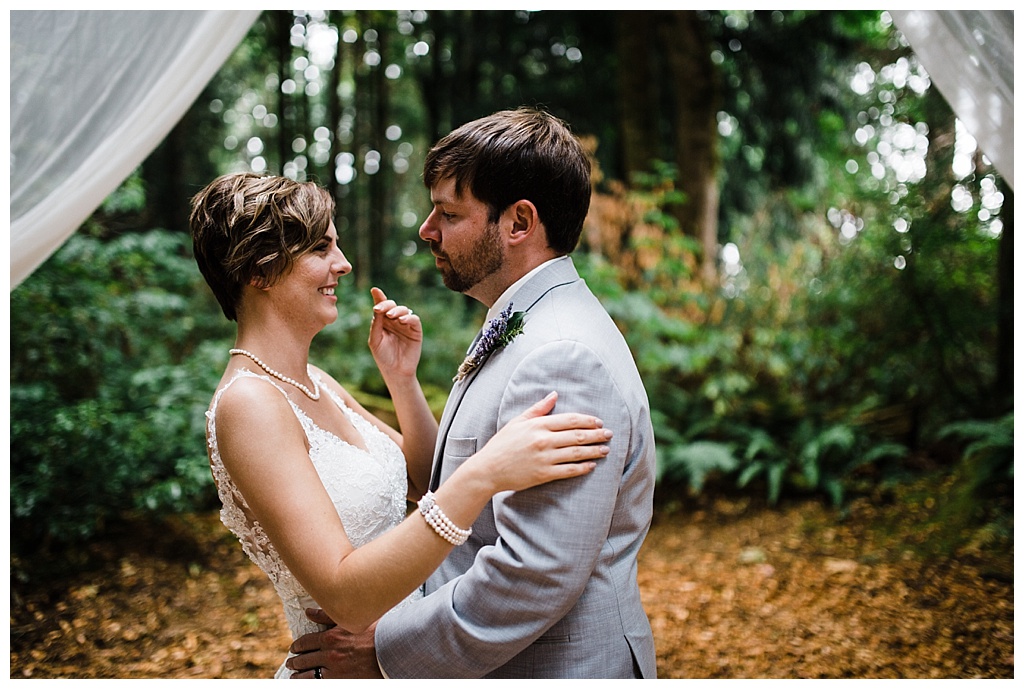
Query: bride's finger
572,454
570,470
580,437
384,306
541,408
570,420
398,311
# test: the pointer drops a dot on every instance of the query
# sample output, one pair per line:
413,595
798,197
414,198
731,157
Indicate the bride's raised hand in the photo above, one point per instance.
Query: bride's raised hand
538,447
396,336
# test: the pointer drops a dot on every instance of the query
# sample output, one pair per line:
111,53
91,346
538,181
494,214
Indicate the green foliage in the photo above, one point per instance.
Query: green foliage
974,511
789,120
988,456
129,197
694,462
756,400
110,378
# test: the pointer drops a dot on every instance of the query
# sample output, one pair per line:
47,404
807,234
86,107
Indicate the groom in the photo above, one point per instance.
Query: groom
546,586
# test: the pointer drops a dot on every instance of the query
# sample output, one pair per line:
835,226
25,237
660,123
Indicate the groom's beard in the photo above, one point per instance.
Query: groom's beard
462,273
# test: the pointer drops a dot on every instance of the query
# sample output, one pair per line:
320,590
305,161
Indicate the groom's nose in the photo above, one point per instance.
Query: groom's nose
428,230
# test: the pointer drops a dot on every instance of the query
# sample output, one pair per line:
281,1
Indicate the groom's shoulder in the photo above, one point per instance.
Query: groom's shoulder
573,313
576,301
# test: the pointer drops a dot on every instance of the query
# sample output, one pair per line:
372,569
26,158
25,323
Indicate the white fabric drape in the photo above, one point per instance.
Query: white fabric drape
92,94
969,56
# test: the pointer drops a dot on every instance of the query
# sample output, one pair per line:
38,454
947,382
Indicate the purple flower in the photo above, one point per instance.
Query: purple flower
502,329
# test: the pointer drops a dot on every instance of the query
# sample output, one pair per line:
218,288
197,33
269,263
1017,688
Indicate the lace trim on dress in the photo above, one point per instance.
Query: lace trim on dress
250,533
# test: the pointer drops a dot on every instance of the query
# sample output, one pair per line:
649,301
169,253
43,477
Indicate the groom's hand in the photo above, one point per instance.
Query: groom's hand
339,654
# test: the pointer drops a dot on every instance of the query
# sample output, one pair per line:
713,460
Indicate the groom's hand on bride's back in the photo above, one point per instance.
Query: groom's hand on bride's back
339,654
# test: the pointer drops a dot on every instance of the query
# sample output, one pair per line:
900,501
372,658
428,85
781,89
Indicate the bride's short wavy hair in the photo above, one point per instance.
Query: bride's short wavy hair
518,154
249,228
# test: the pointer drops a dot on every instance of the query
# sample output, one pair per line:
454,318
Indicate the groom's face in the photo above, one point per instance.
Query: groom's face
467,247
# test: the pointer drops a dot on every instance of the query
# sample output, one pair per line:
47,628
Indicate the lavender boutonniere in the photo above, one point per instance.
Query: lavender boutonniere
500,332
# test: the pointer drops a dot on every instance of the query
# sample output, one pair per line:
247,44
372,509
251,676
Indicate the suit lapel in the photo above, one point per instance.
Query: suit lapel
557,274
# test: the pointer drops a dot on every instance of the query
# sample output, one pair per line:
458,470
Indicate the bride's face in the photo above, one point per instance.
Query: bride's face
308,288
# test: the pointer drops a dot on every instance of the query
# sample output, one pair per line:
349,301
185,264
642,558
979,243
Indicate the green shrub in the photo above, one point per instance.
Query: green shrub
988,456
112,363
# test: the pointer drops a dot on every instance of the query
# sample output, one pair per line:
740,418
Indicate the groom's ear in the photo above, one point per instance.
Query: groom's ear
525,221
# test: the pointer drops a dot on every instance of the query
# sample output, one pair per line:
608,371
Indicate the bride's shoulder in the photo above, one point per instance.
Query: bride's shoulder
249,400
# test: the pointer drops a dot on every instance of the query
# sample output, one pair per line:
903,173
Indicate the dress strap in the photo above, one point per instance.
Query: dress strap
244,372
304,420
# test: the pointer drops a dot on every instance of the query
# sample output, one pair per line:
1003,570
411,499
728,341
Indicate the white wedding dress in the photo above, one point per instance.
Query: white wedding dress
368,488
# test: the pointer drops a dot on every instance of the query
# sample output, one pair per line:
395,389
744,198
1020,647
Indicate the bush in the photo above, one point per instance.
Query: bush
112,363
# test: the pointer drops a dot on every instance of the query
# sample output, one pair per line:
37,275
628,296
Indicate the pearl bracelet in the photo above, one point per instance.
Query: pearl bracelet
440,523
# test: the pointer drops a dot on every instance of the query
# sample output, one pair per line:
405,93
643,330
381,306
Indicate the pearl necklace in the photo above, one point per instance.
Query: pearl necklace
311,394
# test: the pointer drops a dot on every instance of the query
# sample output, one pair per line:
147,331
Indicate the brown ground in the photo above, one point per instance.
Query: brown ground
733,590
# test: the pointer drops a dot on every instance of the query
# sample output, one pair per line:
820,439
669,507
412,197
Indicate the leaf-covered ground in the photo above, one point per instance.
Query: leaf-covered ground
733,590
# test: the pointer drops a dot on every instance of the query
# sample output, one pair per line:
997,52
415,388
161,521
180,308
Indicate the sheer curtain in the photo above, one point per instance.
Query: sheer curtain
969,56
92,93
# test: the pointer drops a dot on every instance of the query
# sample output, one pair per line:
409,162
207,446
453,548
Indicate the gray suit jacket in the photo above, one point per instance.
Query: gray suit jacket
547,584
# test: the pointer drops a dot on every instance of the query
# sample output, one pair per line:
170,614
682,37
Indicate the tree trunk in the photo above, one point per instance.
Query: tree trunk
363,133
639,111
378,188
687,48
334,117
431,79
162,170
283,25
465,84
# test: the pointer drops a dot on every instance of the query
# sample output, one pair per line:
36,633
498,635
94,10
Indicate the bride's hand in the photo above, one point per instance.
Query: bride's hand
536,447
396,336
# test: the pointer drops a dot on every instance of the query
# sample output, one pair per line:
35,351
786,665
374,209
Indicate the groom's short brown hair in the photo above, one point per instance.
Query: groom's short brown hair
519,154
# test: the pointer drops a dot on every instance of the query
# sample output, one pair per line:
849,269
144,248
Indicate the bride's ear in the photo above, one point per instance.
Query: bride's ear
525,221
259,282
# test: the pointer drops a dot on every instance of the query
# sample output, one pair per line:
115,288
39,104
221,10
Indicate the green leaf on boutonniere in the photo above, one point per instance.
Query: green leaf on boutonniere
513,328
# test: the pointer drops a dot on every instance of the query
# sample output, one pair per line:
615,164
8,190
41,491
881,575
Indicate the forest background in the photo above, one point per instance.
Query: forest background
808,255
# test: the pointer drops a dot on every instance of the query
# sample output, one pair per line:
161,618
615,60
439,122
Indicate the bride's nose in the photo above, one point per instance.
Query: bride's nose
341,266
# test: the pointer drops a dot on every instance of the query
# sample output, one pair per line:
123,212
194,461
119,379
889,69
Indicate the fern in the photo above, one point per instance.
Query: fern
989,454
694,462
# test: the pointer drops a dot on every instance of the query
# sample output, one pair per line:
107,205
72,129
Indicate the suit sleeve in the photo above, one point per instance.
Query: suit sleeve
550,538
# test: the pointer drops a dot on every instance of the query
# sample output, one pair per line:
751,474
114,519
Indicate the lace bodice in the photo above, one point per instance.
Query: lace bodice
368,488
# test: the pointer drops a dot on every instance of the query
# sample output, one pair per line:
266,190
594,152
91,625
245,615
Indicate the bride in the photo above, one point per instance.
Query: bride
312,484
